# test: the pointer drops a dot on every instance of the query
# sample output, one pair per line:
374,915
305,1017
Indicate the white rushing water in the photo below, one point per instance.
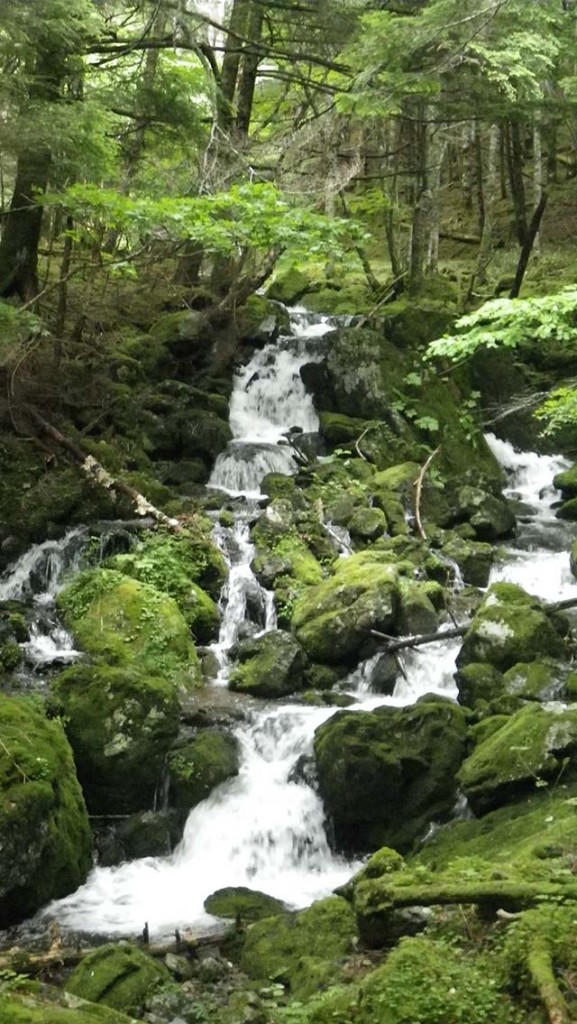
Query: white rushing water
265,828
538,559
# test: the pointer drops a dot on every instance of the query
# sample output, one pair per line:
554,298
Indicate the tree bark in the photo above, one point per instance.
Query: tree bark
528,246
21,235
248,70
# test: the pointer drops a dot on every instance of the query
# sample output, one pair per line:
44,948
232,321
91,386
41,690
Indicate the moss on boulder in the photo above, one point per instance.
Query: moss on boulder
261,320
367,524
128,623
474,558
490,517
479,683
118,975
120,723
384,775
536,746
33,1004
169,564
510,626
45,839
248,905
269,666
197,766
332,620
288,946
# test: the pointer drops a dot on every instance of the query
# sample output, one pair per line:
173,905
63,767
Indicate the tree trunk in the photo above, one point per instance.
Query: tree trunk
528,246
21,235
249,70
490,198
237,25
516,182
537,173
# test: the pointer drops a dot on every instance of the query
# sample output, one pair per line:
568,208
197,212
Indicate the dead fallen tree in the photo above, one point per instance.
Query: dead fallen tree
401,643
97,474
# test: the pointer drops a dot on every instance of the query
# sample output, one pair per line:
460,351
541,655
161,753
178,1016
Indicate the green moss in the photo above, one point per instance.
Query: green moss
198,766
509,627
47,1006
168,564
332,620
248,904
124,622
270,666
337,428
367,523
274,948
260,319
534,748
120,723
384,775
10,656
45,841
117,975
478,682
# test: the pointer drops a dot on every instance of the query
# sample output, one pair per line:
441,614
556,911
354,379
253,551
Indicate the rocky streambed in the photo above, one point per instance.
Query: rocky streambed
230,717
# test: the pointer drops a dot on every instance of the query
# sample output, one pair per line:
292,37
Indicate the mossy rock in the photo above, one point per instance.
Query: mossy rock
118,975
419,603
384,775
288,285
33,1004
197,766
278,485
490,517
120,723
276,536
269,666
535,747
337,428
566,482
240,903
183,332
509,627
275,947
478,683
537,832
332,620
261,320
45,839
143,834
128,623
169,565
538,680
474,558
367,524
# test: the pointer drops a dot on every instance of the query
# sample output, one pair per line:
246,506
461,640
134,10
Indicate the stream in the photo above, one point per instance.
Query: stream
266,828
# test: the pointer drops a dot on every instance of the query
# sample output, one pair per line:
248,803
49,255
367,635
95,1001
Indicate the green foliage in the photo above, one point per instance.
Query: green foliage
512,323
246,217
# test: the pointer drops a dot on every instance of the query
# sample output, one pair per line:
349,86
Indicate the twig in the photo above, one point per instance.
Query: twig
418,492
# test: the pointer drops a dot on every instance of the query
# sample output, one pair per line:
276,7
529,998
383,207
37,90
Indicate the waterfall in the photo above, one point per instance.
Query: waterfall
266,827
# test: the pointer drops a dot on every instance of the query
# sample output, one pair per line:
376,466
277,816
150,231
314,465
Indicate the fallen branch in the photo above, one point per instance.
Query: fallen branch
95,472
541,971
378,896
400,643
417,641
419,491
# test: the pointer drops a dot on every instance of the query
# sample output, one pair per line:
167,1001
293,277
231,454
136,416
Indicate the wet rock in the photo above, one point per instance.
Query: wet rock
120,724
197,766
385,774
145,834
247,904
333,619
367,523
490,517
269,666
509,627
45,840
118,975
260,320
535,746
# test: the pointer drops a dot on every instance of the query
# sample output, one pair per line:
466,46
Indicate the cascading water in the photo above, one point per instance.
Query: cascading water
538,559
265,828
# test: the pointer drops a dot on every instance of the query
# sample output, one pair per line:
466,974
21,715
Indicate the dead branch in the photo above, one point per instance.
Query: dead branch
419,491
96,473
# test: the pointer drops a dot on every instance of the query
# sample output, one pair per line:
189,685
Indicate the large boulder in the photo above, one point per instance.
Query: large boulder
333,620
171,565
41,1004
198,765
269,666
121,724
117,975
490,517
534,747
45,839
509,627
242,904
127,623
384,775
